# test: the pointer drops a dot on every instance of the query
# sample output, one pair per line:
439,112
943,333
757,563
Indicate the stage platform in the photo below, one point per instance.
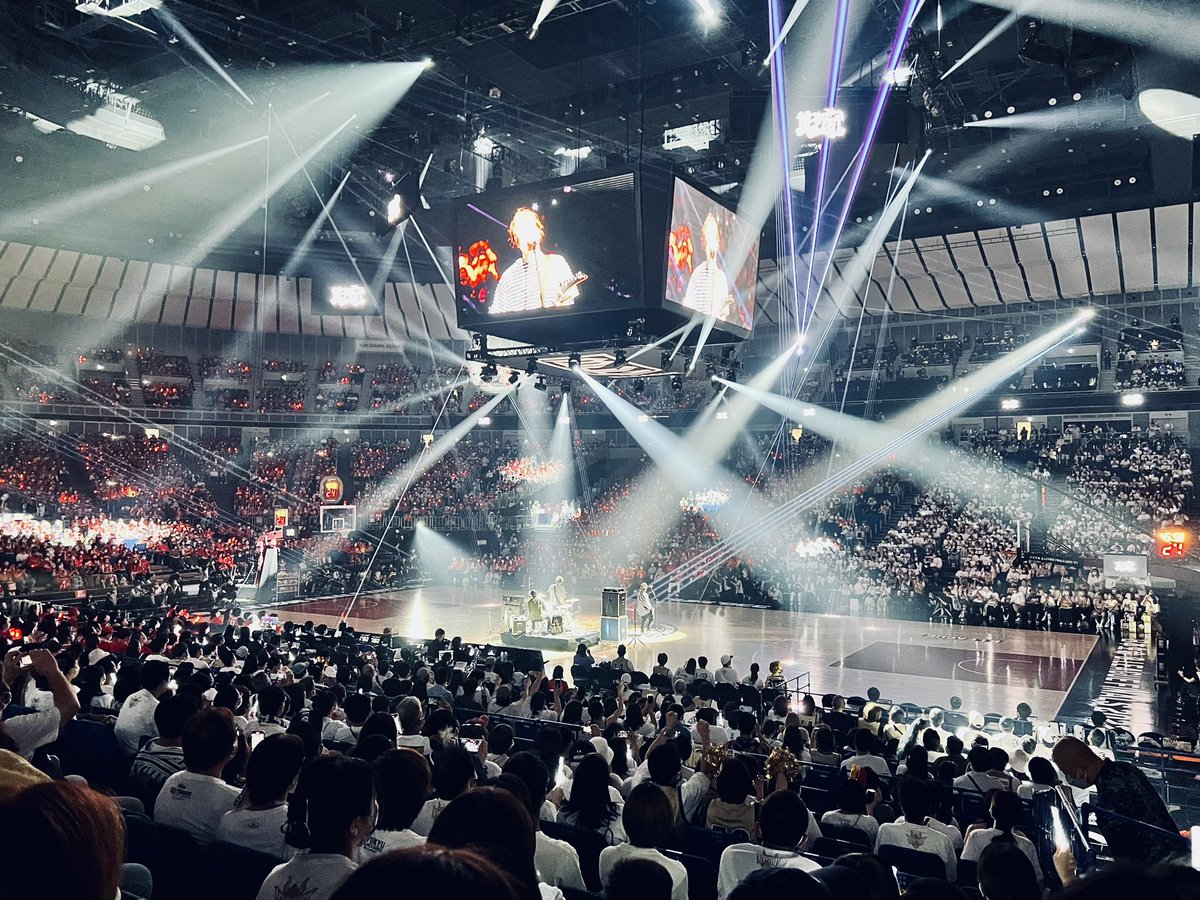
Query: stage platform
550,643
992,670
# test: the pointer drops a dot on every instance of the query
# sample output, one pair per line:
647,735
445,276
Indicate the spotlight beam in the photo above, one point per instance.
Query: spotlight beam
248,206
835,74
792,17
176,26
907,16
316,191
1002,26
107,193
310,235
1170,25
923,418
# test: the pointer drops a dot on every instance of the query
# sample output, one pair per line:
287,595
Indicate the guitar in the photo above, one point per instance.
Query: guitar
568,292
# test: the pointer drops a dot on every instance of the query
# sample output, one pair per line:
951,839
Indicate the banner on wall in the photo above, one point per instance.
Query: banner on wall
378,346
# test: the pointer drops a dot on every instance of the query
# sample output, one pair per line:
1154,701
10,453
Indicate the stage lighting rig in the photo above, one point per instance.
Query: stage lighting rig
677,383
639,386
664,360
540,384
566,386
574,361
514,376
489,373
531,367
620,359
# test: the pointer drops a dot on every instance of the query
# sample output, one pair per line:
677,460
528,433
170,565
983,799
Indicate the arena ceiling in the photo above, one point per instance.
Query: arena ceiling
609,74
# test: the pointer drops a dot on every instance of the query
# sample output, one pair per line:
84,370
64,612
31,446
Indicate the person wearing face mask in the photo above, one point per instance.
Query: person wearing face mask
1120,788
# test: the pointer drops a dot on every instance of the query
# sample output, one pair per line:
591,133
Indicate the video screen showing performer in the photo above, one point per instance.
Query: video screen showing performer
524,254
712,259
538,280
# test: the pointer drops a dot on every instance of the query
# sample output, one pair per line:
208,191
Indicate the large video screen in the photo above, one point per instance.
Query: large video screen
548,251
712,259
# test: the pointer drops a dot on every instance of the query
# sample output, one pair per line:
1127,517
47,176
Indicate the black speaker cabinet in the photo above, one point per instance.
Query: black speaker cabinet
612,602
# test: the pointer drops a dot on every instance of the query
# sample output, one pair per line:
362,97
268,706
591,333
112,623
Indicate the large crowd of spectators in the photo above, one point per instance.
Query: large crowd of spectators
346,767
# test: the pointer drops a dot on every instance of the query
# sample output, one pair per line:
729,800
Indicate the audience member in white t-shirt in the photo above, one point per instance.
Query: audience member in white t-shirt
330,815
782,830
136,718
324,710
403,777
454,775
982,775
196,798
863,758
412,716
258,819
557,862
33,730
914,830
853,810
495,822
1042,775
648,820
1006,811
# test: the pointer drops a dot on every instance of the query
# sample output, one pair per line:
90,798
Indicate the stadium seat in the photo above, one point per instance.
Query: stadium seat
586,842
967,872
90,749
709,843
702,875
913,863
847,834
237,873
832,848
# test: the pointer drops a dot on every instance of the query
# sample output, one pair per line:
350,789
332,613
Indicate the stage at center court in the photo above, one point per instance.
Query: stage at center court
992,670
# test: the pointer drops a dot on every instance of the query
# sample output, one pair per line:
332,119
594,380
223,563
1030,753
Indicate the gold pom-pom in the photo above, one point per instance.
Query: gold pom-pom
713,759
782,761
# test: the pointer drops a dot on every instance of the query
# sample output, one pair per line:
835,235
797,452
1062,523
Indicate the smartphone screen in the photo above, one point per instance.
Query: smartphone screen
256,739
1061,841
26,662
472,745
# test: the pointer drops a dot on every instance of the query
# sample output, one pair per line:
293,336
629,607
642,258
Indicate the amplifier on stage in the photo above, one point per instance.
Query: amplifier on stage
612,602
614,629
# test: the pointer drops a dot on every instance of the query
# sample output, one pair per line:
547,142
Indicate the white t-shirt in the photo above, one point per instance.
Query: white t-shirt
739,860
258,829
610,856
950,831
136,720
417,742
864,823
921,838
981,837
33,730
429,812
311,876
194,803
381,842
333,730
870,761
982,782
557,863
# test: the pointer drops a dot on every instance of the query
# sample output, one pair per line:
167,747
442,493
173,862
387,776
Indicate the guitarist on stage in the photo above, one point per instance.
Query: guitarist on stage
538,280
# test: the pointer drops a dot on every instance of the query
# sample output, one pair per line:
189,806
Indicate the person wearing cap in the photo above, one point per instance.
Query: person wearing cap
727,674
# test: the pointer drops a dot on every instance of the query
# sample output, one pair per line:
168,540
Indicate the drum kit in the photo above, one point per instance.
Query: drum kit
557,619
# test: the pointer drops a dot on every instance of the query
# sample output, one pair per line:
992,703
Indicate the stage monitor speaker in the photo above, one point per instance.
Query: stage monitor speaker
614,629
612,602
